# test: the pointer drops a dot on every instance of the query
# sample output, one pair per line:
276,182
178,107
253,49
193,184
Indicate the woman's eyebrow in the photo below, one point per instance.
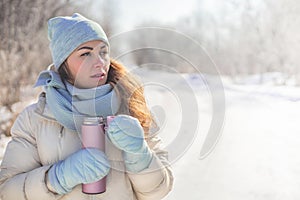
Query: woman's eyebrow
103,46
89,48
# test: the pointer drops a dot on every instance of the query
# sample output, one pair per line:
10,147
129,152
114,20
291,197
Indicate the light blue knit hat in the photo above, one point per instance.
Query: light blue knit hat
67,33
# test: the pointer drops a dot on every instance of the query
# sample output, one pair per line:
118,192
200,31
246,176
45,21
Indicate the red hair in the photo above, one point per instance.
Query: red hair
131,93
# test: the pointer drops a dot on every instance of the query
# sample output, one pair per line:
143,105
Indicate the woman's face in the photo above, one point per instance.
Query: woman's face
89,64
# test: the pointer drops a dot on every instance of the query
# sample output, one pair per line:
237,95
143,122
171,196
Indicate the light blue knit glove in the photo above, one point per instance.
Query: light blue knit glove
85,166
127,134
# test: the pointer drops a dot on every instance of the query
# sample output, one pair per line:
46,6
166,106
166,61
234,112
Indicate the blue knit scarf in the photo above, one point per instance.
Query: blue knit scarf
70,105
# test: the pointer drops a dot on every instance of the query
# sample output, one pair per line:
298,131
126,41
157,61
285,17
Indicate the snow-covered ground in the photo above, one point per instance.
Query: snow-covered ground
257,154
256,157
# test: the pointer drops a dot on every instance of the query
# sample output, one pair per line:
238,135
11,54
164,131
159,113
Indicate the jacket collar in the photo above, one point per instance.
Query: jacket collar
43,109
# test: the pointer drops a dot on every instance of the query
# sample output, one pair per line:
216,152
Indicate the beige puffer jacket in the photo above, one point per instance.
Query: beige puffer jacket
38,141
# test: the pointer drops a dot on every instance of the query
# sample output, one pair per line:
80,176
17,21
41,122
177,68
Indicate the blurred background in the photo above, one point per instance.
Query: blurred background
242,36
252,42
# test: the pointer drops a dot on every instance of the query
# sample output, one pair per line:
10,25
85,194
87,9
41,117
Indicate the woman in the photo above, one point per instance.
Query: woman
45,159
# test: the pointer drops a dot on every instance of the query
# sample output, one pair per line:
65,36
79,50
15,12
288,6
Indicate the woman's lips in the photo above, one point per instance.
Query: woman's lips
98,76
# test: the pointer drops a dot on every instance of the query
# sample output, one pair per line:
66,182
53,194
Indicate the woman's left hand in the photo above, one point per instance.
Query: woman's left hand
127,134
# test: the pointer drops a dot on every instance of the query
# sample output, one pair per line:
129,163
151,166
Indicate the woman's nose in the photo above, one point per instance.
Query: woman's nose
99,62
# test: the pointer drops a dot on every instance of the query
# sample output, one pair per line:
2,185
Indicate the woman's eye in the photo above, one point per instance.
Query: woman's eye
104,53
86,54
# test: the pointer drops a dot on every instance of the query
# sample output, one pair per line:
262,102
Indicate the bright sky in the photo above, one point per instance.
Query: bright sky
162,10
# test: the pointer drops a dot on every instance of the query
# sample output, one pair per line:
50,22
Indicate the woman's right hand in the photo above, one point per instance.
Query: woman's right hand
85,166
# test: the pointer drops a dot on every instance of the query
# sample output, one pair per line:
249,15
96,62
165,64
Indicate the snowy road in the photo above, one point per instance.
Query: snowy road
257,156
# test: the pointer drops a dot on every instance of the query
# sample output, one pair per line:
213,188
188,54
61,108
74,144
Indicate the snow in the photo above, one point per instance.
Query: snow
256,156
3,143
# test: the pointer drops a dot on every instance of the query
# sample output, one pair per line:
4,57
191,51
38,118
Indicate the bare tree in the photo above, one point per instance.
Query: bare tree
250,37
23,44
24,48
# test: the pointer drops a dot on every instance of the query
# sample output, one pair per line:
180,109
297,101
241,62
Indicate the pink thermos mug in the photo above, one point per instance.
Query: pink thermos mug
93,136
